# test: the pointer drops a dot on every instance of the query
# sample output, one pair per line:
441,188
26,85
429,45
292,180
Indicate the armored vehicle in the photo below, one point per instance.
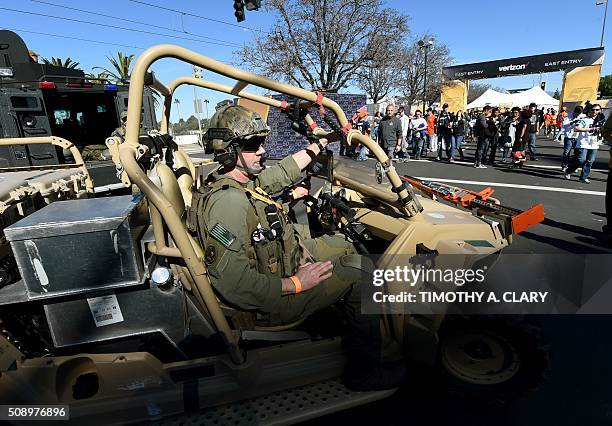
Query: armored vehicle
47,100
115,316
69,112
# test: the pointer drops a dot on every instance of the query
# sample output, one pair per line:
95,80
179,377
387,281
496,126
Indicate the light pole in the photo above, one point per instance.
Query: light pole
425,45
197,73
603,26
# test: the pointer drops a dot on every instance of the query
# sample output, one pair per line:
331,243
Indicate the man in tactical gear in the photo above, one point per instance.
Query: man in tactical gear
120,131
257,260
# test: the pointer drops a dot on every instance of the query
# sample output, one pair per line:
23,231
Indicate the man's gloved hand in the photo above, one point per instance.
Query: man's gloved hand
300,191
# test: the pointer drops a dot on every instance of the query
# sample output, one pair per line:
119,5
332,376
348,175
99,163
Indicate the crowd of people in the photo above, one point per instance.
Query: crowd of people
501,135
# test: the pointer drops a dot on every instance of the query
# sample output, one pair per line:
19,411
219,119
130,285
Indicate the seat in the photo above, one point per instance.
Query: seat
169,185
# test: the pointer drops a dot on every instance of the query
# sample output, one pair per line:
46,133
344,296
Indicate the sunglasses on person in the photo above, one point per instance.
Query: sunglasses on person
252,144
596,110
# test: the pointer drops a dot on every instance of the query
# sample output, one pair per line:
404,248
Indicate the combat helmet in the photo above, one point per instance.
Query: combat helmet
232,128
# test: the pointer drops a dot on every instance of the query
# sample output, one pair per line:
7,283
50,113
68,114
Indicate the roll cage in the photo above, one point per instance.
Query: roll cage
131,151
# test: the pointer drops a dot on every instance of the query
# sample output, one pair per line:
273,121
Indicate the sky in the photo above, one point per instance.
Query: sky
474,31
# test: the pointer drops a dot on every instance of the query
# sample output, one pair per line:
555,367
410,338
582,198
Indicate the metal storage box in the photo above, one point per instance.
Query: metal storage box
80,246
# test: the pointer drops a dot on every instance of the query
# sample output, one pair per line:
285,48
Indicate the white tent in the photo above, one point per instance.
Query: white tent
490,97
537,95
521,99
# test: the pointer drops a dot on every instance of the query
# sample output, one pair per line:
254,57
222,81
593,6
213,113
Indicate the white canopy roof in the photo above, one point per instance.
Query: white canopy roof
490,97
537,95
521,99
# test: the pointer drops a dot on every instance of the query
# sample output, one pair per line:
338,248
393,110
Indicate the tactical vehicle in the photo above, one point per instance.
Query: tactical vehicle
47,100
115,316
71,113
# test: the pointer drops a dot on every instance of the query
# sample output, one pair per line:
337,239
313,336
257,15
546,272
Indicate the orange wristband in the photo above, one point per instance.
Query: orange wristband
296,283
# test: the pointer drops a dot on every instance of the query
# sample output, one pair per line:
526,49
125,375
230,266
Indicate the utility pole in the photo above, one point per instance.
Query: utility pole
425,81
425,45
177,102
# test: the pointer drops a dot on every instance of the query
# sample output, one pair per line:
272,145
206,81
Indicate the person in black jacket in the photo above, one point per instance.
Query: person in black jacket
484,132
460,126
498,124
444,132
522,134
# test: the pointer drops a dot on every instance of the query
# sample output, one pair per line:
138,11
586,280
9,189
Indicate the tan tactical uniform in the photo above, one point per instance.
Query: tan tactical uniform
250,245
119,132
246,265
96,152
93,152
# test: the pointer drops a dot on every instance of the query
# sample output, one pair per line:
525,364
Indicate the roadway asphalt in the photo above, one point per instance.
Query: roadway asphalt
576,390
574,211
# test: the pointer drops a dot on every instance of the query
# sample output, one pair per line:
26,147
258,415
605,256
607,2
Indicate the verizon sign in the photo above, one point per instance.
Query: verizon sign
514,67
525,65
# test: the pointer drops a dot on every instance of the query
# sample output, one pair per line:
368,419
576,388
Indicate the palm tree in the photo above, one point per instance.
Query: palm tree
156,96
58,62
121,67
101,78
177,102
206,103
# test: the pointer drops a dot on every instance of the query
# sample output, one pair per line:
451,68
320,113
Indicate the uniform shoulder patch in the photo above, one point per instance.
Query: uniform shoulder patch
222,234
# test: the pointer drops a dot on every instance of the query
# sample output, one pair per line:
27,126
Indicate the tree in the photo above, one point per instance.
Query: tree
157,96
605,85
324,44
183,127
557,94
177,102
476,90
121,67
100,78
68,63
412,66
378,79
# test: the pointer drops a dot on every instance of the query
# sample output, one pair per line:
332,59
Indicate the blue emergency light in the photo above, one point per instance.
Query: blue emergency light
110,87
